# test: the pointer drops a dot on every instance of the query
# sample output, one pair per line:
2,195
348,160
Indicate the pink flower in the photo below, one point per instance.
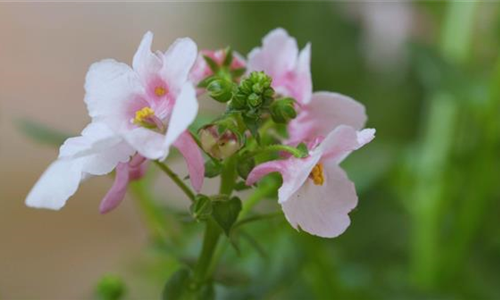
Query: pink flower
323,114
316,194
279,57
140,112
201,70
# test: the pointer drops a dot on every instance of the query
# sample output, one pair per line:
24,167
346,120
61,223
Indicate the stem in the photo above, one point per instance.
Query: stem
228,176
212,235
177,180
274,148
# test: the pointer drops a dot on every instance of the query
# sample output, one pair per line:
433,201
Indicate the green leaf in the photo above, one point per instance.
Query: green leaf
205,82
212,64
110,287
229,57
241,186
212,168
225,213
201,209
177,287
41,133
237,73
303,149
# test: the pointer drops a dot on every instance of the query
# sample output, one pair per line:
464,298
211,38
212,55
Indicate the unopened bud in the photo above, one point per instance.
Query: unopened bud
221,90
283,110
217,145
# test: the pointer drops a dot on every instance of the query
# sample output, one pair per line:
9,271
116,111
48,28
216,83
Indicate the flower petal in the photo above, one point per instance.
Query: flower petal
194,160
294,171
145,62
59,182
322,210
111,88
342,141
183,114
301,85
325,112
277,56
117,192
148,143
178,61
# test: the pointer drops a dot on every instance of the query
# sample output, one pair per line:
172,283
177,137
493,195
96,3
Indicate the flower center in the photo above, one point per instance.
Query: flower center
143,115
146,117
317,174
160,91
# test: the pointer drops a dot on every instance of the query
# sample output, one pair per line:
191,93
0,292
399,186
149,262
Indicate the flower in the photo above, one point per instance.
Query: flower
136,112
201,69
316,194
279,58
319,112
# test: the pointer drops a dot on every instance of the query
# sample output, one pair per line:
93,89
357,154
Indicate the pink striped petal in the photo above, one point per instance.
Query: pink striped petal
194,160
117,192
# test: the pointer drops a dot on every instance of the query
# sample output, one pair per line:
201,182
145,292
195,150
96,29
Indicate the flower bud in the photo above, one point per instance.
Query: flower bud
283,110
221,90
218,145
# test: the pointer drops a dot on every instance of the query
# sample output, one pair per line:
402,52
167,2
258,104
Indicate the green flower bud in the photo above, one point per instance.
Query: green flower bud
253,92
254,100
219,146
220,89
283,110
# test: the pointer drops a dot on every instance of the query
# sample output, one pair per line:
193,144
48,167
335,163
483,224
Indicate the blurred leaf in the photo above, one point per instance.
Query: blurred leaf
42,133
177,286
226,213
110,287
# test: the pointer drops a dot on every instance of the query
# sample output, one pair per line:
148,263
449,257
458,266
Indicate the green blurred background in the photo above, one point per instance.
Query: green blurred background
427,223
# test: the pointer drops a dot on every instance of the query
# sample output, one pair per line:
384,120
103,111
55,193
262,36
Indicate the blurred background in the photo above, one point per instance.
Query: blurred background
427,223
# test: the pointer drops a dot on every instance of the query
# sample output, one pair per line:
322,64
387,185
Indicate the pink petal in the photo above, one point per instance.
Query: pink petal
322,210
194,160
342,141
323,114
294,171
117,192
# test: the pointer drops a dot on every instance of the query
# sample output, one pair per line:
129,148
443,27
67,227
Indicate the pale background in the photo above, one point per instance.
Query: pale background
45,51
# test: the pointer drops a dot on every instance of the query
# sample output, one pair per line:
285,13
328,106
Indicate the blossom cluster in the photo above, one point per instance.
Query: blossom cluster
139,112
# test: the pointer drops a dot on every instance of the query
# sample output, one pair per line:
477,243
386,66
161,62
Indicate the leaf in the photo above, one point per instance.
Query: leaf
177,286
201,209
42,133
225,213
303,149
110,287
229,57
205,82
212,64
236,73
212,169
241,186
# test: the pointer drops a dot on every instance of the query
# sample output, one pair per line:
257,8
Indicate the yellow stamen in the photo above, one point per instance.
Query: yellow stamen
160,91
142,114
317,174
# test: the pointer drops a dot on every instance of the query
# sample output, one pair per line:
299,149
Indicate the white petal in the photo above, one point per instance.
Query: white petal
342,141
183,114
95,137
106,160
148,143
110,88
59,182
146,62
178,61
333,109
322,210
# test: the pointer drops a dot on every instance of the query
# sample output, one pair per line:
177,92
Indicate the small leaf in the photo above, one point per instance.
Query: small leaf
303,149
241,186
205,82
42,133
177,287
110,287
212,169
212,64
201,209
226,213
229,57
236,73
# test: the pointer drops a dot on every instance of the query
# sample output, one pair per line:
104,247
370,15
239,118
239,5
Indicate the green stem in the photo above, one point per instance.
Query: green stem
202,270
275,148
228,176
176,180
